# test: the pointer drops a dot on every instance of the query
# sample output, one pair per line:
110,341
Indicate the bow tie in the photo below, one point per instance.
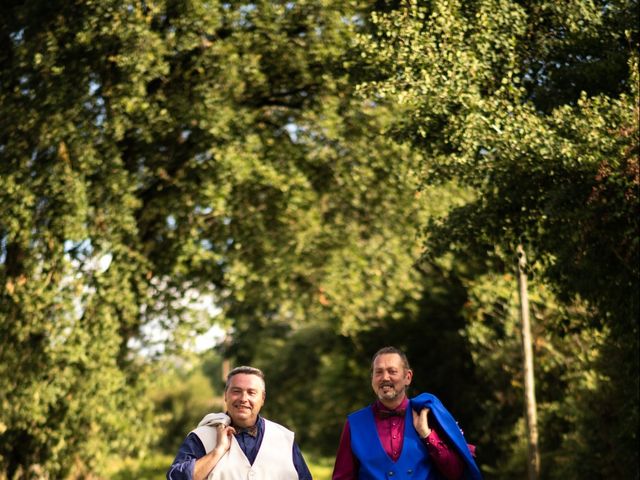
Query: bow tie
391,413
253,431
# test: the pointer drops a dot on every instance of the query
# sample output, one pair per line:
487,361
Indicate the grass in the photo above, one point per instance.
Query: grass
320,467
154,467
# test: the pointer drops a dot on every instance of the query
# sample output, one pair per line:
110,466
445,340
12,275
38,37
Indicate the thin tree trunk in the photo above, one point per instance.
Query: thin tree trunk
529,383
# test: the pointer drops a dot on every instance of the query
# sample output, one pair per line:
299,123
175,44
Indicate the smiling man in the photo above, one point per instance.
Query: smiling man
240,444
398,438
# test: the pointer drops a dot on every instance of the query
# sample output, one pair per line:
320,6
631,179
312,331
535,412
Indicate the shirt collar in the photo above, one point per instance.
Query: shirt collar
252,431
398,411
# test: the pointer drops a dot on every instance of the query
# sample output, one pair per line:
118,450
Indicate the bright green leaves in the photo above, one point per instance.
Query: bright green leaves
155,150
263,156
532,106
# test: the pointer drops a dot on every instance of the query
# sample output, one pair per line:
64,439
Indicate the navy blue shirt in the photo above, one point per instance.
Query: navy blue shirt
192,449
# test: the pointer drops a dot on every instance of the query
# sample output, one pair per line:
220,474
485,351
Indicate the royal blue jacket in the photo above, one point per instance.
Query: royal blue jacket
450,429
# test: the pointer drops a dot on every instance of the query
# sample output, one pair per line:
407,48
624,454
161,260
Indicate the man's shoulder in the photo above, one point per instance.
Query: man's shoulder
362,411
214,419
425,400
275,425
206,431
278,430
206,435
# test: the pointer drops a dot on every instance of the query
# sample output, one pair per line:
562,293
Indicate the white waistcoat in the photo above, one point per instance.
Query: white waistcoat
273,462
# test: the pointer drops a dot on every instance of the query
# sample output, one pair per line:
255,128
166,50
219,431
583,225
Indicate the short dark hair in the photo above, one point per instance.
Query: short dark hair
388,350
248,371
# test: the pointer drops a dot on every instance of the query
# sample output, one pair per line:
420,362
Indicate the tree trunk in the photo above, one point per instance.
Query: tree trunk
529,384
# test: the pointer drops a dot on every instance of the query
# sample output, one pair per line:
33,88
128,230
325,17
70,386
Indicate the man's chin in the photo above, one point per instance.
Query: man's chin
388,395
243,421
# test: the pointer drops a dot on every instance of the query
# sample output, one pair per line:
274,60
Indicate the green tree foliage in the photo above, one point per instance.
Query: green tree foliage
152,150
182,393
533,106
315,377
155,154
567,371
72,278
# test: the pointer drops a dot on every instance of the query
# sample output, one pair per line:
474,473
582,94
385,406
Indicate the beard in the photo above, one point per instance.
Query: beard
389,391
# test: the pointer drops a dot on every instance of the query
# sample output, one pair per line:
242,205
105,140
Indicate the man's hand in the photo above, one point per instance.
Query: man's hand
421,423
224,434
204,465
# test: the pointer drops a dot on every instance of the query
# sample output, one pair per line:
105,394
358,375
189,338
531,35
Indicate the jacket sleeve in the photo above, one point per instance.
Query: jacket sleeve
182,466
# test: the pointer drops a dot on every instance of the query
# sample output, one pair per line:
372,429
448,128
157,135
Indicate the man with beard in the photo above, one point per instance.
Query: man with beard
240,444
398,438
